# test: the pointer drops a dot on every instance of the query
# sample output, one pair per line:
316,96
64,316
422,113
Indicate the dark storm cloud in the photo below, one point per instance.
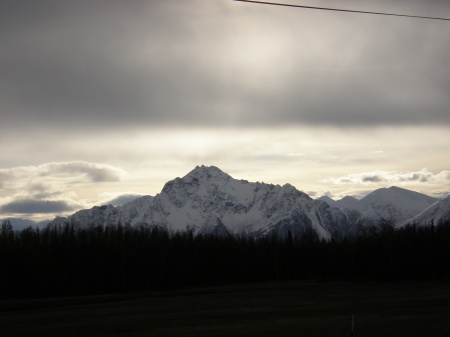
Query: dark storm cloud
29,206
103,63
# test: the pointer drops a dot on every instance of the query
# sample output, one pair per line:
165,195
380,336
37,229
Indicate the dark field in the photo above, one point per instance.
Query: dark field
274,309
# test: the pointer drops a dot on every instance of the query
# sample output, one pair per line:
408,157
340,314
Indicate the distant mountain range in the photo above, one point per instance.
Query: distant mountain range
395,205
209,201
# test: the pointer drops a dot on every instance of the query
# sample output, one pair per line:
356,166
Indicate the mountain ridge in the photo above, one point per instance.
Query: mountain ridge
394,205
209,201
432,215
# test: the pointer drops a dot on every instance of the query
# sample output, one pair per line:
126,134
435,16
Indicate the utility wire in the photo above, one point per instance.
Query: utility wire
342,10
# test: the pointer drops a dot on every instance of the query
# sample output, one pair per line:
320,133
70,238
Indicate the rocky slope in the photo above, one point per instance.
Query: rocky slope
435,214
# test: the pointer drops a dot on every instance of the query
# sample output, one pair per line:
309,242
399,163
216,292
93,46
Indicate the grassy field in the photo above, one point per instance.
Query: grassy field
275,309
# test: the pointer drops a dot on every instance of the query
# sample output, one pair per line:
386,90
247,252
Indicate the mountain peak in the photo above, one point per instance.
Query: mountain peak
394,193
206,173
327,199
397,189
394,203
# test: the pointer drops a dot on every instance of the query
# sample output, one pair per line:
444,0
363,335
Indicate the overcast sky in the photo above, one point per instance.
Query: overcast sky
101,100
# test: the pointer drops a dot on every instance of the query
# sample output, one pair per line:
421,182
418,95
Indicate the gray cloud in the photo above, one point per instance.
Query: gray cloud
328,194
37,179
50,188
417,177
29,206
422,177
311,193
94,172
372,179
102,63
123,199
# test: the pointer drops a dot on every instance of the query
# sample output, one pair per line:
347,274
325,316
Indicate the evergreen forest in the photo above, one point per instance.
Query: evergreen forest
69,261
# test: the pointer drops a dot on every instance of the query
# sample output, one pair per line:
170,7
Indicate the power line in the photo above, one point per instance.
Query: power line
342,10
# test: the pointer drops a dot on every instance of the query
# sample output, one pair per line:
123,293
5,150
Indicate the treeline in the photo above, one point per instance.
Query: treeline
96,260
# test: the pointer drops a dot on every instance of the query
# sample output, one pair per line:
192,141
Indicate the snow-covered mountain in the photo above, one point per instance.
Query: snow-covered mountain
346,202
208,200
327,199
436,214
393,205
